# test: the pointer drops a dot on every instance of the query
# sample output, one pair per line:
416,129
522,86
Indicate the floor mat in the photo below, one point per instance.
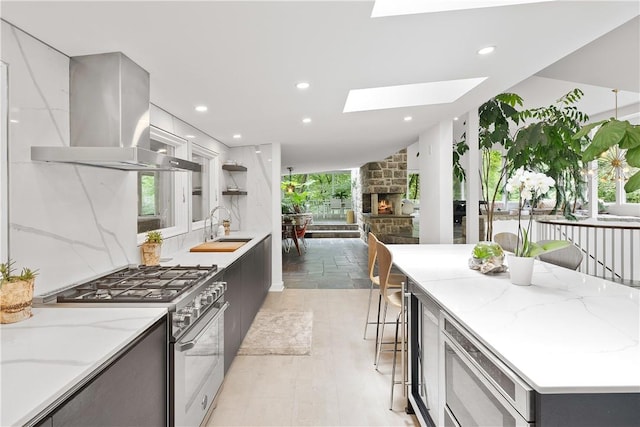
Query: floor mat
279,332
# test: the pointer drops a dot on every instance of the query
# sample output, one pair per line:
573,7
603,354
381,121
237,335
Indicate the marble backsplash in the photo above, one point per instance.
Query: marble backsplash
76,222
69,222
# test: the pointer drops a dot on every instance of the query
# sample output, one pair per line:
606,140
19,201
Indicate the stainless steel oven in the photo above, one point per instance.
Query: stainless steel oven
199,366
194,299
480,390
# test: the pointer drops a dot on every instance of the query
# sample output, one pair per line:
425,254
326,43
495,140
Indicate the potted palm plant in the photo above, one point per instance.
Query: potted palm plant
16,293
151,248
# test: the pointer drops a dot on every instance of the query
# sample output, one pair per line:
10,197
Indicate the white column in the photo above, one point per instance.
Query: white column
436,184
276,220
472,184
621,195
592,188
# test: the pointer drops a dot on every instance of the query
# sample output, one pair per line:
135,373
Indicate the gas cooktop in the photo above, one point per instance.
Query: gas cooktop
139,284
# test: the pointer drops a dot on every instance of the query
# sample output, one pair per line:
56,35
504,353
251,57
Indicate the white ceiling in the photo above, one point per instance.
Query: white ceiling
243,59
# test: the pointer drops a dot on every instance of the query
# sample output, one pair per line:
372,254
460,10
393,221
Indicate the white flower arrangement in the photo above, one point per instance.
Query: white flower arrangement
530,186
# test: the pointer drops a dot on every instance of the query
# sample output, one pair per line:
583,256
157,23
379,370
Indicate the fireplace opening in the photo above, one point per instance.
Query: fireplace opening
384,207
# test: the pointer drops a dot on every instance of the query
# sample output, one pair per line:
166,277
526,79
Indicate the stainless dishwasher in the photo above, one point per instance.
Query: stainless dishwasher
480,390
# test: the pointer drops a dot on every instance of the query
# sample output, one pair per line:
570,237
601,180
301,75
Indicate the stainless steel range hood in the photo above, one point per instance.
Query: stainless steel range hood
109,118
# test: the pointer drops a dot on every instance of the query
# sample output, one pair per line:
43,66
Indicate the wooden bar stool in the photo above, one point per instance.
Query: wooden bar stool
393,297
394,281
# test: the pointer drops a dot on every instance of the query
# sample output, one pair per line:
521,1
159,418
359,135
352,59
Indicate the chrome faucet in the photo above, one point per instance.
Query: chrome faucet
211,232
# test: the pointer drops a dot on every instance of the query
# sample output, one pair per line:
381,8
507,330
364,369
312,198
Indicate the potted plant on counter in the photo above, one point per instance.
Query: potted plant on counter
16,293
530,187
151,248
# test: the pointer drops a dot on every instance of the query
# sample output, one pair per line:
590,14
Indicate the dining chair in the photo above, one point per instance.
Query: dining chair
569,257
507,241
395,281
391,297
301,231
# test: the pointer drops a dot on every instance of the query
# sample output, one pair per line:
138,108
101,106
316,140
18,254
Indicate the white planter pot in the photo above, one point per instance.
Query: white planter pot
520,270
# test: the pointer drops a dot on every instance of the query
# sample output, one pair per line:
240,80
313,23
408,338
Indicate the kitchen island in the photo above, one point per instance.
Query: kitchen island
573,339
50,356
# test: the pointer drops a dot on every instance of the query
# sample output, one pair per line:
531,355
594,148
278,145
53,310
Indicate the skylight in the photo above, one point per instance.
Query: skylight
380,98
409,7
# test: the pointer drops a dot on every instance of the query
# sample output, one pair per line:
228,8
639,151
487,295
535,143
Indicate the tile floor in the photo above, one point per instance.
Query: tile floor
337,385
327,264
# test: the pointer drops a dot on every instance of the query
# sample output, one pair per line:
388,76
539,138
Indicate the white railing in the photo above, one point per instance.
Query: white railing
611,250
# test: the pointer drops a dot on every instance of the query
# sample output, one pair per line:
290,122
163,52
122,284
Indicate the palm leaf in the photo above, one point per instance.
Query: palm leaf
586,129
631,137
607,136
633,183
633,157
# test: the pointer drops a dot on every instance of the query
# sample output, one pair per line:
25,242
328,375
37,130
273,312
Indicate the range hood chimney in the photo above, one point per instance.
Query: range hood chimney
109,118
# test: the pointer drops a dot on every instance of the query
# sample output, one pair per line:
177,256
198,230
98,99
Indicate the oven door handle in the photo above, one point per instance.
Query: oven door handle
192,343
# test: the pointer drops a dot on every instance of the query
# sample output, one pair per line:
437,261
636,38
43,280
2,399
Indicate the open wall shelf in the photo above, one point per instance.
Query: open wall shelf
234,168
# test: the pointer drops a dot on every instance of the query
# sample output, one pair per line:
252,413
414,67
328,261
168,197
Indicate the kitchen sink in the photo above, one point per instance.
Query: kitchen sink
223,244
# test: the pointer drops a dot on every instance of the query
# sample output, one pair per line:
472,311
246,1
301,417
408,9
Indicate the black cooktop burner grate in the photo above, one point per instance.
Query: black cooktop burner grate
138,284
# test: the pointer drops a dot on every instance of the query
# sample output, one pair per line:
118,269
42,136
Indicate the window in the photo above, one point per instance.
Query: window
161,202
613,171
202,183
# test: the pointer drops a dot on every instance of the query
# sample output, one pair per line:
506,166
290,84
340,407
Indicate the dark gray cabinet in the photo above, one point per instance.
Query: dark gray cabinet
424,315
130,391
248,282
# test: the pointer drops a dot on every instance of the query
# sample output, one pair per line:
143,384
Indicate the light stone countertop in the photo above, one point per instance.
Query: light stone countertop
49,354
45,356
566,333
221,259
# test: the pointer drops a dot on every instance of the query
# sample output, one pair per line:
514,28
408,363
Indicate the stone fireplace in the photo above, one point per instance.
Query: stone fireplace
383,184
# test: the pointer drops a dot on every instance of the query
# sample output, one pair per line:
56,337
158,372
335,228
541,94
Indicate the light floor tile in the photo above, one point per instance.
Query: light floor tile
337,385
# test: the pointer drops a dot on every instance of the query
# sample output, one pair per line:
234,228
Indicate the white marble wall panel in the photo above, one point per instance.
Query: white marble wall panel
253,211
76,222
69,222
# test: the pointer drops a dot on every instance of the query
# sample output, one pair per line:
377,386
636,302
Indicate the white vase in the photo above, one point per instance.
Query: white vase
520,270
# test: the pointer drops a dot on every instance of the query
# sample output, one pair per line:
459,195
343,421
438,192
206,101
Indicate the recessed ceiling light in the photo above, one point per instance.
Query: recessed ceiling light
258,150
306,120
14,121
410,7
486,50
408,118
303,85
201,108
455,118
380,98
237,136
190,136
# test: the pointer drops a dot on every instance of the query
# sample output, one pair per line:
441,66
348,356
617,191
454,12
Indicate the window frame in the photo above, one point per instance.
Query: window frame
181,186
210,182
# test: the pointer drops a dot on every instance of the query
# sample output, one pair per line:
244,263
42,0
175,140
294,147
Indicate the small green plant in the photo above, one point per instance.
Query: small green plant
486,250
7,272
154,237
